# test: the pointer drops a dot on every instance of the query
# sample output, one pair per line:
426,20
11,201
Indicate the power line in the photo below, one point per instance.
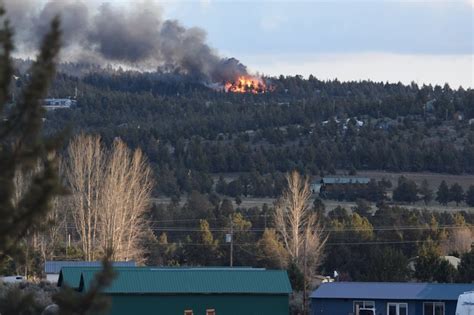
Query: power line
330,230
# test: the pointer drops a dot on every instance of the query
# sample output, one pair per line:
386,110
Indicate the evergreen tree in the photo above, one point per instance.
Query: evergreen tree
456,193
406,190
22,147
470,196
443,195
221,186
426,192
466,268
427,262
362,208
387,265
445,272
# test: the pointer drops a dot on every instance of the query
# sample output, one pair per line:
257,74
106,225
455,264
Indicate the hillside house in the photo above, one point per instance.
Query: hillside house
325,183
58,103
328,181
384,298
190,291
315,187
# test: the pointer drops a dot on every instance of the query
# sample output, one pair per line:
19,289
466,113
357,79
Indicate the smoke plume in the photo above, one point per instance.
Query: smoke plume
138,36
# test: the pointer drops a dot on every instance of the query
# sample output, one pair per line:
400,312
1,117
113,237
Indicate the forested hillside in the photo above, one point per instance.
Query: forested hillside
190,131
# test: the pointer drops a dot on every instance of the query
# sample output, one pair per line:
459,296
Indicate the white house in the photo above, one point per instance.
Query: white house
58,103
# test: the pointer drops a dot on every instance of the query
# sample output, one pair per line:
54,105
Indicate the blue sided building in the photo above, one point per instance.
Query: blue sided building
365,298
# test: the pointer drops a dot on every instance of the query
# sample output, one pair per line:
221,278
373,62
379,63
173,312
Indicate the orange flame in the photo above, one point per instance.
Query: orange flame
246,84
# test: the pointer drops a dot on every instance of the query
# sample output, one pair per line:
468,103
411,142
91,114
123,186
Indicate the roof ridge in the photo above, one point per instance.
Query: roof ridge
391,283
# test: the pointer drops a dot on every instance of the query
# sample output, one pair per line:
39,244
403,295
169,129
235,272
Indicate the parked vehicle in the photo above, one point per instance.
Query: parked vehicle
13,279
465,304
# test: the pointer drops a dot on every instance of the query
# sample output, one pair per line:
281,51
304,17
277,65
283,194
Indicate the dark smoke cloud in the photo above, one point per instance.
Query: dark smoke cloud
138,36
74,21
130,37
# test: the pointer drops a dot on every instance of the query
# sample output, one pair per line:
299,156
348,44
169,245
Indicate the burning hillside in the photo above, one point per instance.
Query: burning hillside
138,38
246,84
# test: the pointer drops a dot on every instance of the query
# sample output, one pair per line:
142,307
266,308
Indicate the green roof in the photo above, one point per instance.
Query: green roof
194,281
71,276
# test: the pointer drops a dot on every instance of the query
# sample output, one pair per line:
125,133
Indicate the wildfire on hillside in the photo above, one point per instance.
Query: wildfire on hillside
246,84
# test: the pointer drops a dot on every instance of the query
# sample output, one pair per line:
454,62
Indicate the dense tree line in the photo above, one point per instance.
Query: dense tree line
363,245
184,126
408,191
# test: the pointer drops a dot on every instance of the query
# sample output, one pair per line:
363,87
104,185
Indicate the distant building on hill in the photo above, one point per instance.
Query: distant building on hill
58,103
429,106
345,180
315,187
319,186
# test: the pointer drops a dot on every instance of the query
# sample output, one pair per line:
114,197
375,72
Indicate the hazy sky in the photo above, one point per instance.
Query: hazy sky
382,40
422,41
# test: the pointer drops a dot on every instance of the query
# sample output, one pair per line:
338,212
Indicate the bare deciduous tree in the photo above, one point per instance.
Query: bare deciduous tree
297,225
84,175
125,194
459,241
110,192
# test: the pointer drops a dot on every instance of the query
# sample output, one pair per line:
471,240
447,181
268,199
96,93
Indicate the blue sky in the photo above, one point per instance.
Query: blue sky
423,41
439,27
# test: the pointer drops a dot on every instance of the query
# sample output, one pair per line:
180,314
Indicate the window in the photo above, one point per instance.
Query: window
397,309
363,305
211,312
188,312
433,308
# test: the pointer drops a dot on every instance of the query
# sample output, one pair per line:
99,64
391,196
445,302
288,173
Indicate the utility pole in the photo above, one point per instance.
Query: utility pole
231,242
304,276
68,238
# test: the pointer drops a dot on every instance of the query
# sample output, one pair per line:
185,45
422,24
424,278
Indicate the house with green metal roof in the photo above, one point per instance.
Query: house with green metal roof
191,291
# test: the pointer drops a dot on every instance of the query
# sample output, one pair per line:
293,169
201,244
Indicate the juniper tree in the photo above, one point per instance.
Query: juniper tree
23,147
456,193
442,196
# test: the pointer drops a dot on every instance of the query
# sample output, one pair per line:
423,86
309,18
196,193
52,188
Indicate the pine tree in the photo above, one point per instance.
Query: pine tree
427,262
406,190
442,196
466,268
23,147
456,193
470,196
426,192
